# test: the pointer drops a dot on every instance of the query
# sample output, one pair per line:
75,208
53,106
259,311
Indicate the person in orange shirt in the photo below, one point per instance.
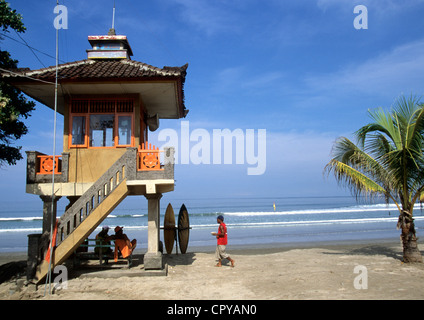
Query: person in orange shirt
222,241
122,243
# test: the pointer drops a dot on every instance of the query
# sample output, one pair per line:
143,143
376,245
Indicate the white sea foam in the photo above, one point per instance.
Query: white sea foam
29,230
364,208
307,222
21,219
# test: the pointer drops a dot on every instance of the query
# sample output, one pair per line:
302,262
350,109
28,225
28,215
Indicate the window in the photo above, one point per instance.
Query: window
78,130
101,123
101,130
124,130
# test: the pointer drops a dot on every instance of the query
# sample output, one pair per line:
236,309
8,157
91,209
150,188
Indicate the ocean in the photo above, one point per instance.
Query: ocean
251,222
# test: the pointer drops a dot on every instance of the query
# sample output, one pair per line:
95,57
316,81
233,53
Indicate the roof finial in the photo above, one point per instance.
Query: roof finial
112,30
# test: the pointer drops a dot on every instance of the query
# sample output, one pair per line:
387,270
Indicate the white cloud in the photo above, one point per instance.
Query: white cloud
305,151
400,70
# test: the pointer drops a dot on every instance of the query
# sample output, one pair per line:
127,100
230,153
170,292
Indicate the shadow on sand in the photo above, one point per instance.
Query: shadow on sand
180,259
372,250
115,269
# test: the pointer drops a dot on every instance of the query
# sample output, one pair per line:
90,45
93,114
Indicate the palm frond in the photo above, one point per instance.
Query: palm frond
384,123
358,182
350,154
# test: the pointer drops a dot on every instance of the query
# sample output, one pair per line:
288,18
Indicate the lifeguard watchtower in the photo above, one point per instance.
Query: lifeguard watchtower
109,104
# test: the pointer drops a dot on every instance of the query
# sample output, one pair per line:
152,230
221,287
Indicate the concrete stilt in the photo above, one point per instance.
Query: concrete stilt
72,200
153,257
38,243
49,211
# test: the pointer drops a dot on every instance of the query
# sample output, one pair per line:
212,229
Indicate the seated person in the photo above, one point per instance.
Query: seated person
102,239
122,243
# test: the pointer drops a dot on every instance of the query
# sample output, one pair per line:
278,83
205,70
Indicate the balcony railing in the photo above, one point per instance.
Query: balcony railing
144,163
40,167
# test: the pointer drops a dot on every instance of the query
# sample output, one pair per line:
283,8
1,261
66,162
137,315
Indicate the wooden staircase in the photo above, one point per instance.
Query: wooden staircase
88,212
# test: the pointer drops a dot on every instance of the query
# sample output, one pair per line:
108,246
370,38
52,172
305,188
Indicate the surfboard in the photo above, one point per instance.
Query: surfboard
169,229
183,229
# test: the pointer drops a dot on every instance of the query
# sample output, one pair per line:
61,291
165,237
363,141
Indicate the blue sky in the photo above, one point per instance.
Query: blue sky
298,69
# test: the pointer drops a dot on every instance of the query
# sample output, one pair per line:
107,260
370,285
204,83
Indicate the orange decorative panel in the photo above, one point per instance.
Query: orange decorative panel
149,158
46,165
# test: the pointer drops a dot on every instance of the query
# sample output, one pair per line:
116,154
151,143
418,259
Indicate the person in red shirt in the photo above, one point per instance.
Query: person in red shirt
222,241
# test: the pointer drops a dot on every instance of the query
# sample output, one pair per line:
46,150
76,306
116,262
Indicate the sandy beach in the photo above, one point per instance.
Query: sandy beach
321,271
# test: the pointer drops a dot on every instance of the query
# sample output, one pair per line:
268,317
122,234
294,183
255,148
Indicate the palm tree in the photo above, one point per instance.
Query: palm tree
388,160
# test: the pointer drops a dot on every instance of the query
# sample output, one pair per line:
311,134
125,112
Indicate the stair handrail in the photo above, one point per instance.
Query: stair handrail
123,168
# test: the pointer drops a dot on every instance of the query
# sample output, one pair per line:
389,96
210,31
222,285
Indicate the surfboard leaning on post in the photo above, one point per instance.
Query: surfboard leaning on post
183,229
171,233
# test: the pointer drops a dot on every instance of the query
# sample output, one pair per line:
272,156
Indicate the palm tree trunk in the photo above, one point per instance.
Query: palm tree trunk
409,238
